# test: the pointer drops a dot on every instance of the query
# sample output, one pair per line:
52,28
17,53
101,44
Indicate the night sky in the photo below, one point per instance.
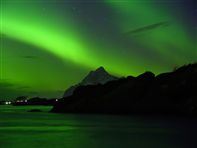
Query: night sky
49,45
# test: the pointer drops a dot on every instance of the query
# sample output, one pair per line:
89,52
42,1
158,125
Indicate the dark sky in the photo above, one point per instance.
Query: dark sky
49,45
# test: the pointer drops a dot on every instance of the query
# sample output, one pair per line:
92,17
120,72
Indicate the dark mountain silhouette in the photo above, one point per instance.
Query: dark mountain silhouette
173,93
99,76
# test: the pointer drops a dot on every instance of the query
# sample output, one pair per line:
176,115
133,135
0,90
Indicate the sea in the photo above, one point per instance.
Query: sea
20,128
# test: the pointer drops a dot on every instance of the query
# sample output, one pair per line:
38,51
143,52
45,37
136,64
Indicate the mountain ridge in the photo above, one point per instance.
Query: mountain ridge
172,93
99,76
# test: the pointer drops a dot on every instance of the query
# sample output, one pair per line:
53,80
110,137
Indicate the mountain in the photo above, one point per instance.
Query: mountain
172,93
99,76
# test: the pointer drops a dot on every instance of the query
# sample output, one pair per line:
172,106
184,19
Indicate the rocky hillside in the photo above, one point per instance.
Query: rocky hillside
173,93
99,76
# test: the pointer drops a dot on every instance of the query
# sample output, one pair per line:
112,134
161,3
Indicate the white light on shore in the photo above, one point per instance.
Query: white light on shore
8,102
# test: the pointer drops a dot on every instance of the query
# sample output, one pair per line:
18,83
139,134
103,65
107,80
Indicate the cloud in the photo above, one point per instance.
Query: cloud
23,87
10,90
29,57
4,84
148,28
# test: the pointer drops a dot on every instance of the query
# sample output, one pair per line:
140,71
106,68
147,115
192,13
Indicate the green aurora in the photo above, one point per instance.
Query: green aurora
48,45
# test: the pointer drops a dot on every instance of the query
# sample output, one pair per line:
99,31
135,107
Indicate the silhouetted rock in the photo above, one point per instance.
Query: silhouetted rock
99,76
168,93
70,90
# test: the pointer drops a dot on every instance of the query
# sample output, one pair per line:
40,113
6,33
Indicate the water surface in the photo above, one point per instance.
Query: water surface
22,129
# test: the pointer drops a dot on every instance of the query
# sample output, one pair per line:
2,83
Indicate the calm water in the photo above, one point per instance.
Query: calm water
19,128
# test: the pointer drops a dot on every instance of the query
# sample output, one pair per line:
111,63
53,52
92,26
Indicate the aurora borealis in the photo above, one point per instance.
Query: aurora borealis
48,45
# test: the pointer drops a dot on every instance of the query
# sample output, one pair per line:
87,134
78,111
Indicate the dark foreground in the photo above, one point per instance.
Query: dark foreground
172,93
22,129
